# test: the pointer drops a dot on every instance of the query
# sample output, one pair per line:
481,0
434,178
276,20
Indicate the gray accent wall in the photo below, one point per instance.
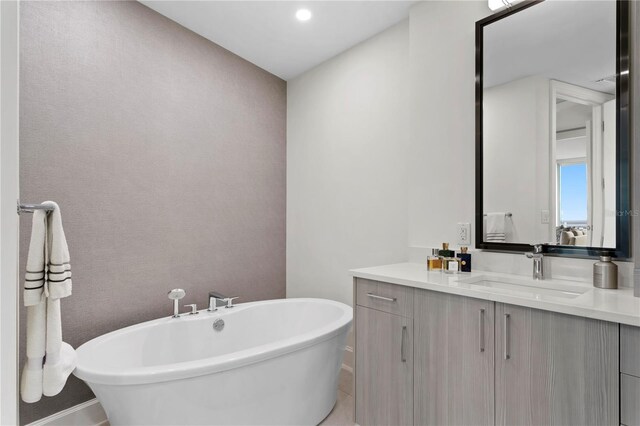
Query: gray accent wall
166,154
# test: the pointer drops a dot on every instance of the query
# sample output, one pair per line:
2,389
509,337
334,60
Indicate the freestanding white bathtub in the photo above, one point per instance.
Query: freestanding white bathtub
274,362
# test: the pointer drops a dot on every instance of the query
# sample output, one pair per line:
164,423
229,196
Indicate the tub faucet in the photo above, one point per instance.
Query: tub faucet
214,297
538,261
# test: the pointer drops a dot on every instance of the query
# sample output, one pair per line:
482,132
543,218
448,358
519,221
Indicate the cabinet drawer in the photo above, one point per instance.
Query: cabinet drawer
629,396
630,350
391,298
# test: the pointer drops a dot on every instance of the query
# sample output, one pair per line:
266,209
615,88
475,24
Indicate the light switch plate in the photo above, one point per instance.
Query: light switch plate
544,216
464,234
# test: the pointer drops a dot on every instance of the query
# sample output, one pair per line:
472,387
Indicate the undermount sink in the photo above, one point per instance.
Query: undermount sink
541,290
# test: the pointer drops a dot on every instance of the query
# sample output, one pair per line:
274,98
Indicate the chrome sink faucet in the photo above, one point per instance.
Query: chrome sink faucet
538,261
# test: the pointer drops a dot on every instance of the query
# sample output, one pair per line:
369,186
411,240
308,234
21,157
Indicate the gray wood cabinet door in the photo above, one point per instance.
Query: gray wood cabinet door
454,360
555,369
384,368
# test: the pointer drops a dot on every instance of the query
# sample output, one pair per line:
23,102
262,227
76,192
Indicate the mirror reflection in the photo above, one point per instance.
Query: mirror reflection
549,125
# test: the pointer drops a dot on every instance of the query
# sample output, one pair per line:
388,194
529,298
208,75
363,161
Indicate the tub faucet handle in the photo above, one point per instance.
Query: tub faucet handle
194,309
230,300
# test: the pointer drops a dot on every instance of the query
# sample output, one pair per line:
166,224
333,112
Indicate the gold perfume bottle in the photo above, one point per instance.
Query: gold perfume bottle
434,263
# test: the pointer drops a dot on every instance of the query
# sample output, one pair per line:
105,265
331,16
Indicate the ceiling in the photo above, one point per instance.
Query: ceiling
572,115
268,34
570,41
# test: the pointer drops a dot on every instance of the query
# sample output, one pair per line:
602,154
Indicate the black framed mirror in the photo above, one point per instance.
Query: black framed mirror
552,129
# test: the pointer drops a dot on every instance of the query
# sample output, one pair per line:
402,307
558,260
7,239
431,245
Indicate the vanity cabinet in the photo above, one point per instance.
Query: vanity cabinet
453,360
555,369
427,357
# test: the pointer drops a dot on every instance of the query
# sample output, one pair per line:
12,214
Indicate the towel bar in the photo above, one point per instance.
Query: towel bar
508,214
30,208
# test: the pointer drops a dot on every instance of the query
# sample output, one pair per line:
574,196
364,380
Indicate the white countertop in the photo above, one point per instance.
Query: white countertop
609,305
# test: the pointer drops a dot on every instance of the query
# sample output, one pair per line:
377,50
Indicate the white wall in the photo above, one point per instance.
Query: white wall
9,64
441,155
571,148
347,139
442,40
516,156
377,176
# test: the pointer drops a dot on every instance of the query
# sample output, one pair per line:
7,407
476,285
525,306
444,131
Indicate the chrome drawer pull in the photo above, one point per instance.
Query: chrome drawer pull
481,330
506,336
375,296
404,334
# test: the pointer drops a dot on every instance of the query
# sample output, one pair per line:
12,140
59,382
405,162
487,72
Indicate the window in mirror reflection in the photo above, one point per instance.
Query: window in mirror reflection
572,202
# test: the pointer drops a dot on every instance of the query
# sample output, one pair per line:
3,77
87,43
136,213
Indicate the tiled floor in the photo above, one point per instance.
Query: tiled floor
342,413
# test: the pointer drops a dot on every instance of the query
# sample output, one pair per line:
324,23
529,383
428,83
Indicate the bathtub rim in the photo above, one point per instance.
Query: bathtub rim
216,364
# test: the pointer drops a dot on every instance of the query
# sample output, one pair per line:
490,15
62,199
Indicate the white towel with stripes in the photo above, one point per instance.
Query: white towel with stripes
496,227
50,361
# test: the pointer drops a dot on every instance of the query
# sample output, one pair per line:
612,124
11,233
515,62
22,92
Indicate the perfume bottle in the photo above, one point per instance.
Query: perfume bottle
445,252
465,260
434,263
451,265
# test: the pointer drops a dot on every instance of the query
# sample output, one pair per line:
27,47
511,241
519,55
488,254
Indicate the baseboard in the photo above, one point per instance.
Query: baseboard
348,358
88,413
345,381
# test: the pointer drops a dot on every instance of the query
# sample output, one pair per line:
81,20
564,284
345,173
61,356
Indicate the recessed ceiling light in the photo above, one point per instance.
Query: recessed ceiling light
303,14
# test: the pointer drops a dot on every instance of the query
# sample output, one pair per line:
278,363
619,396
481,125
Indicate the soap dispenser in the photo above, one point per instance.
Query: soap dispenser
605,273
